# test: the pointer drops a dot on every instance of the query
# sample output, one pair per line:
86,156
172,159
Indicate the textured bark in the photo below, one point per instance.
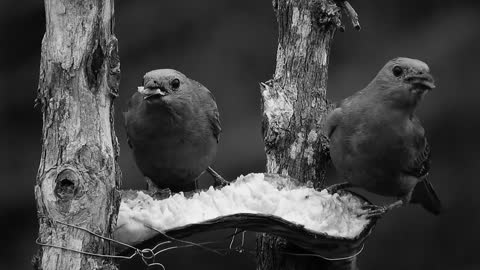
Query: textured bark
78,173
294,110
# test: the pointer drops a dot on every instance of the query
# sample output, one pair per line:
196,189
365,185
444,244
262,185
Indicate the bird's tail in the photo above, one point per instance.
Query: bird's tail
425,195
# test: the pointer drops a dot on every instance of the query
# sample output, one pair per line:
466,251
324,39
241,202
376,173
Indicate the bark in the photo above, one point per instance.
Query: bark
78,174
294,110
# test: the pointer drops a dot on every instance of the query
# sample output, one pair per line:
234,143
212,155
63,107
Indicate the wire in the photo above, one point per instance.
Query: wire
145,254
182,241
150,254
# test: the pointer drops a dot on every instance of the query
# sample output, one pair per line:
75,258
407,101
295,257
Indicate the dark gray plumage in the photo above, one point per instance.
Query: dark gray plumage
377,142
173,128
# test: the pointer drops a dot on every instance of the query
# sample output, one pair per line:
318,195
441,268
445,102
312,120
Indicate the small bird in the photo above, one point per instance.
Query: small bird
376,141
173,128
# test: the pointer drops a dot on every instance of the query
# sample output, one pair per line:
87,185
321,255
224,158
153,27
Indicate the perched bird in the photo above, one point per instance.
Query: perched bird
173,128
376,141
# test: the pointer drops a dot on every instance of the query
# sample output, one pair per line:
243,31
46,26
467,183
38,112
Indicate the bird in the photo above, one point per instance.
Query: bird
378,143
173,128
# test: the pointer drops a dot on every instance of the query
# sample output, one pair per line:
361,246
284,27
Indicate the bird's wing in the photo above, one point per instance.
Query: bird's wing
212,109
420,165
332,120
214,119
423,193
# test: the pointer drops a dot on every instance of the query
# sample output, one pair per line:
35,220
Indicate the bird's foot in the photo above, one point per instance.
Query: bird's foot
377,211
162,194
373,211
156,192
219,180
336,187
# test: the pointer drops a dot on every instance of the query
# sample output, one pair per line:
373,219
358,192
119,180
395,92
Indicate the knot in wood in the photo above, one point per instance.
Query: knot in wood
66,184
94,66
325,12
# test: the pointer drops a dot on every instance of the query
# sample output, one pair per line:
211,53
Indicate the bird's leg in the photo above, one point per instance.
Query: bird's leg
151,187
376,211
336,187
219,180
155,192
196,184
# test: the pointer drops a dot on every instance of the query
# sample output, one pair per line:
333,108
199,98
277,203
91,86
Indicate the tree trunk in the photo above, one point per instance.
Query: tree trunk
78,174
294,110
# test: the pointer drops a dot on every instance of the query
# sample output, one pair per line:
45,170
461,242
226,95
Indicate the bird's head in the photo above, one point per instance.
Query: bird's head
403,81
160,83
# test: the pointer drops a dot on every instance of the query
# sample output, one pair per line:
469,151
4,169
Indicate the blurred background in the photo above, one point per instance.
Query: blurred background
230,46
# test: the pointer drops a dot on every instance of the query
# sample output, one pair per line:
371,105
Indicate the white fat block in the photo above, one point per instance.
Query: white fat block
335,215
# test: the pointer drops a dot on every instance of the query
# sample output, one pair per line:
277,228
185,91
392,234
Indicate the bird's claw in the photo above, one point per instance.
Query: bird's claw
161,194
331,190
373,211
336,187
155,192
220,182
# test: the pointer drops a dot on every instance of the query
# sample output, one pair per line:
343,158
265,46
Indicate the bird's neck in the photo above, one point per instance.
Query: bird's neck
407,109
156,107
169,112
396,98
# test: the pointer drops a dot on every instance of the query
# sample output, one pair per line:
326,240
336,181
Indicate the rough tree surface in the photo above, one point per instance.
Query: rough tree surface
78,172
294,110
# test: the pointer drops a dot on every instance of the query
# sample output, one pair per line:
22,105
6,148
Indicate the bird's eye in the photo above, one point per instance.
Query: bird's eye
397,71
175,83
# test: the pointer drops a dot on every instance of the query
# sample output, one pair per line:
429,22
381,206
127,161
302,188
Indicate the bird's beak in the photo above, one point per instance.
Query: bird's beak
151,92
421,81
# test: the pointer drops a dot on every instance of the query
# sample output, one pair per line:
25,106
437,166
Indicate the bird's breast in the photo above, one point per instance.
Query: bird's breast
174,147
372,154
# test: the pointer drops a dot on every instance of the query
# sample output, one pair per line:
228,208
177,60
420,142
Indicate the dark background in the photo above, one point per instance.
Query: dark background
230,46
